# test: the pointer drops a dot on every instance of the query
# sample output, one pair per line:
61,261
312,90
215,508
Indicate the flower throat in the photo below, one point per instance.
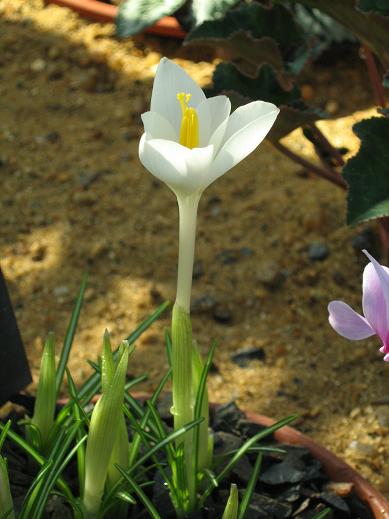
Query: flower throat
189,131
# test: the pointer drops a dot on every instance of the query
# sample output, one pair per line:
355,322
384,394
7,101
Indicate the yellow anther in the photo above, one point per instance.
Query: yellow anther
189,131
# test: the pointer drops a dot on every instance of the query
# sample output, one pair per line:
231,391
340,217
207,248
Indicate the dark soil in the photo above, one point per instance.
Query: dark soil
291,483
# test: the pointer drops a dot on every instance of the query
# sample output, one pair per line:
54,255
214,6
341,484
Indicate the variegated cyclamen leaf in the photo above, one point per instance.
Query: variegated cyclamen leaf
252,36
203,10
367,174
380,7
136,15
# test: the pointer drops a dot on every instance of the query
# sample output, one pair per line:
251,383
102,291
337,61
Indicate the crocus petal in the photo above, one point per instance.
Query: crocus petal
386,358
377,299
212,112
181,168
246,129
347,322
170,80
158,127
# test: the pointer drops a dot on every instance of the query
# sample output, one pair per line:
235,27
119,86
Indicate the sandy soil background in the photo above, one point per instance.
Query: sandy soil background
74,198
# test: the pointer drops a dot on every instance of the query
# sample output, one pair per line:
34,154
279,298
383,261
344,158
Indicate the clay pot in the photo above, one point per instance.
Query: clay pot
335,468
106,13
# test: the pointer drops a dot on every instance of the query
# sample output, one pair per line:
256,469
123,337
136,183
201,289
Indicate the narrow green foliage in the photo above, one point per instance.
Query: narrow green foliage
202,443
142,496
43,417
171,438
231,509
250,487
324,513
102,436
41,487
70,333
93,384
245,447
36,456
6,504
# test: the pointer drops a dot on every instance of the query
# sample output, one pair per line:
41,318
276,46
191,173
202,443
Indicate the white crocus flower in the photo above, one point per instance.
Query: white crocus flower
190,141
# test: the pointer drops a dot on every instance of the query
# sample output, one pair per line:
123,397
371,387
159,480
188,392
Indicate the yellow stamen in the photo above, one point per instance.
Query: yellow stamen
189,131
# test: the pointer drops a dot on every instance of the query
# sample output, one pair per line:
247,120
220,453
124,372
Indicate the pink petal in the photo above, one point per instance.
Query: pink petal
347,322
376,298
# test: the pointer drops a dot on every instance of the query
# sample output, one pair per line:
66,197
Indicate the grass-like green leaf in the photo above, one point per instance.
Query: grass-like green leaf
324,513
59,456
250,487
231,509
141,495
5,491
150,453
201,395
34,454
69,337
169,347
245,447
3,433
93,384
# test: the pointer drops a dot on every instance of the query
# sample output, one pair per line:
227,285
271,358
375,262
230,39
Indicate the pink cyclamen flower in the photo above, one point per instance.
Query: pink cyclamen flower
375,304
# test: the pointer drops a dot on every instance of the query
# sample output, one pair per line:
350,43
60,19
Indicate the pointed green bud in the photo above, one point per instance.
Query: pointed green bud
232,506
6,505
105,420
44,410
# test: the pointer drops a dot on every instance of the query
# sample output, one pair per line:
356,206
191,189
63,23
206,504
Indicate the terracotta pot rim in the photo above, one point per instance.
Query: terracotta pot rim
106,13
335,468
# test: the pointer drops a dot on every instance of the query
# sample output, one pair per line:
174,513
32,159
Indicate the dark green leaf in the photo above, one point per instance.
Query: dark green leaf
141,495
265,87
252,36
136,15
367,174
374,6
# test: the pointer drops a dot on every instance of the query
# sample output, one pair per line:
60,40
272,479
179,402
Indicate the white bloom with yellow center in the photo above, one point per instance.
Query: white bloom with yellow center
189,140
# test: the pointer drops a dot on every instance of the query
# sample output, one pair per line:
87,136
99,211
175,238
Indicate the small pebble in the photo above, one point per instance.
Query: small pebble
228,256
318,251
222,315
61,291
243,357
38,65
203,304
38,251
270,275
